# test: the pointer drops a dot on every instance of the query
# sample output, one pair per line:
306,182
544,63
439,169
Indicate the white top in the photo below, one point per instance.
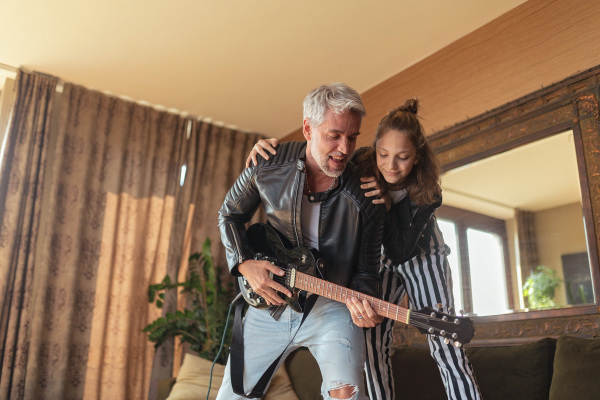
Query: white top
397,195
310,223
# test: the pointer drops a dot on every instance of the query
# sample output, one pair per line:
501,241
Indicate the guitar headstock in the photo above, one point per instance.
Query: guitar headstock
459,330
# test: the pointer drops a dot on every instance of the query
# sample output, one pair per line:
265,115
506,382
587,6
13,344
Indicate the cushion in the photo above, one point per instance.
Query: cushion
514,372
305,374
576,369
507,372
193,380
416,375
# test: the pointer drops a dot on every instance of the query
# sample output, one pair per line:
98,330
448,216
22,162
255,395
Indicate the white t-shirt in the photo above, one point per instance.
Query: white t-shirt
397,195
310,222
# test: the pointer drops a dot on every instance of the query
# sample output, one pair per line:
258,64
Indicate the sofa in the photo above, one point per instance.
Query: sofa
567,368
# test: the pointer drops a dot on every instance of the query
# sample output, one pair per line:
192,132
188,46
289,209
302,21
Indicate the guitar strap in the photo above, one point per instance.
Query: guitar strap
237,353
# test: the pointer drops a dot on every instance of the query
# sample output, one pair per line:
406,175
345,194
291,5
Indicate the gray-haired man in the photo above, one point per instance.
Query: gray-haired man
311,195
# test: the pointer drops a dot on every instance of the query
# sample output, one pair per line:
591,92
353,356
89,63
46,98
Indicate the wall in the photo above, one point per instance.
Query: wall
534,45
559,231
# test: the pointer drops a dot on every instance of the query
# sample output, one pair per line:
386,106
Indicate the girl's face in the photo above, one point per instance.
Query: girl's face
396,156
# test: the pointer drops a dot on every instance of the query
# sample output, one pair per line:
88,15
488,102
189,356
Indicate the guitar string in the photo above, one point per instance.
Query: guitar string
322,288
344,294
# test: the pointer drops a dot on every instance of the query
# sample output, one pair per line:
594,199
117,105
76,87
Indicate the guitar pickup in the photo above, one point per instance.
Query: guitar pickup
292,278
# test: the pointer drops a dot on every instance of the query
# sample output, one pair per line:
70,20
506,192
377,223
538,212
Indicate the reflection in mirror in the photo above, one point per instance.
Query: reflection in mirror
514,221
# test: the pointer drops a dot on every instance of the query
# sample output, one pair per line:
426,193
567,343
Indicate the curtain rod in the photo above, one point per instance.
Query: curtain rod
8,68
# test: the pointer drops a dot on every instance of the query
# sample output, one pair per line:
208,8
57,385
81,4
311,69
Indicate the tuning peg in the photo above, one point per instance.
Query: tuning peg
451,310
446,340
462,313
454,335
444,318
442,333
458,345
440,307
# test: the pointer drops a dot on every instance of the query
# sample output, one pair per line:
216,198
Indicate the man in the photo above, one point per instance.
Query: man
312,196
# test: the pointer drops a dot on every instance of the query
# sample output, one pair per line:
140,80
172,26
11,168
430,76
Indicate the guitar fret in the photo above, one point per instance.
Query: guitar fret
342,294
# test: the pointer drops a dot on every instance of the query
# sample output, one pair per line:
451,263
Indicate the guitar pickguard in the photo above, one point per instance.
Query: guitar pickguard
268,245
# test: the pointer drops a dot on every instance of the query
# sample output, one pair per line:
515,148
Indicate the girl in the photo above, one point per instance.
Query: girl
406,179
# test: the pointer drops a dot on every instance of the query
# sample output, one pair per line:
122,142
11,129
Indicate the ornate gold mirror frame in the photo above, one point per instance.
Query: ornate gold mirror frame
572,104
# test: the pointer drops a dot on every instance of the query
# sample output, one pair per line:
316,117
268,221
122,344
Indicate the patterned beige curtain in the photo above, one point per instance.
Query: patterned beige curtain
21,186
112,214
528,251
214,158
112,219
217,155
104,235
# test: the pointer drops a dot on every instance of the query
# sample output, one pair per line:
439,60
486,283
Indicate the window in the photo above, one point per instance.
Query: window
478,260
6,92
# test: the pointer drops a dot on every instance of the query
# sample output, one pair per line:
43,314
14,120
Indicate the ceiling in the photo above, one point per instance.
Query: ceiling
538,176
244,63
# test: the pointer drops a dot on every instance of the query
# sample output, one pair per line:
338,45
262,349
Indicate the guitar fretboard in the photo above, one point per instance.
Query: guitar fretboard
339,293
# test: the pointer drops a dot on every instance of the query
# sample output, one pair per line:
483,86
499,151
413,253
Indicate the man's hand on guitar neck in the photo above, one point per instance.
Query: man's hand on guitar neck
363,314
257,274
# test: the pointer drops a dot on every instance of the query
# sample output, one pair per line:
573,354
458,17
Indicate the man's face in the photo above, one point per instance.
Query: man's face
333,142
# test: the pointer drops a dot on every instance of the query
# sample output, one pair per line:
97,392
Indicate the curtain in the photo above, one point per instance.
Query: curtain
528,251
86,229
215,156
104,235
21,185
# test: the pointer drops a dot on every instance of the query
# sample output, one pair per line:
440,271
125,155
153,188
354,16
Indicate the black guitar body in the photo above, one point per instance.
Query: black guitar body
267,244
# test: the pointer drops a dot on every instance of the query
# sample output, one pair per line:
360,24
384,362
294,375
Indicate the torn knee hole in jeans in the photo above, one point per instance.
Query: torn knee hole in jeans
337,385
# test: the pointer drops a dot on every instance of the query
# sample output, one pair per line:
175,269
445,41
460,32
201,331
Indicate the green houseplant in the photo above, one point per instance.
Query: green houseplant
204,321
540,286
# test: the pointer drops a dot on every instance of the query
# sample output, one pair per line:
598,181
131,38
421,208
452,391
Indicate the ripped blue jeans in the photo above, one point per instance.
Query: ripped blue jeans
328,332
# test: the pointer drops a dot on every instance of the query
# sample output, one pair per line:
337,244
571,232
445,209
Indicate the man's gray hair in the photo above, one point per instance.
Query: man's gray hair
337,97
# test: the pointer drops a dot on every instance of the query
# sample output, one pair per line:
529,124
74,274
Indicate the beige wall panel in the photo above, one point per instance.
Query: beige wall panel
534,45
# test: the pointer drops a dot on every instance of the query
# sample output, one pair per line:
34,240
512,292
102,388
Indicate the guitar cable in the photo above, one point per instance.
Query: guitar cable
222,341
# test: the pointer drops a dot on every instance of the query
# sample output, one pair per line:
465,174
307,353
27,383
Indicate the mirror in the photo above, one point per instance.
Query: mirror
540,211
515,221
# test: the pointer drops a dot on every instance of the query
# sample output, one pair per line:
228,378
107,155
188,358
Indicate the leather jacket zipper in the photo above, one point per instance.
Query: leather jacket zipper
298,175
237,244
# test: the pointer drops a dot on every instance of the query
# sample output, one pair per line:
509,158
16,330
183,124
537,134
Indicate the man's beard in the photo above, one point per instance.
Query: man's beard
321,160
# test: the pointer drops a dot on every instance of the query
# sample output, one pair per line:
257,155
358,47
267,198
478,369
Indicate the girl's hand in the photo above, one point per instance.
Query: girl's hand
260,147
370,184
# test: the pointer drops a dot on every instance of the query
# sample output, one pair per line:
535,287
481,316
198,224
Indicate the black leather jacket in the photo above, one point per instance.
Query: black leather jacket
350,228
408,229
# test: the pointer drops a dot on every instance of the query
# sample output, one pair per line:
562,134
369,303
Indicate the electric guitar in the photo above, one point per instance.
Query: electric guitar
301,266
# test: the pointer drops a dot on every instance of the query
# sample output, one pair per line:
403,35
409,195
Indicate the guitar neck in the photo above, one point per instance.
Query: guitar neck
339,293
